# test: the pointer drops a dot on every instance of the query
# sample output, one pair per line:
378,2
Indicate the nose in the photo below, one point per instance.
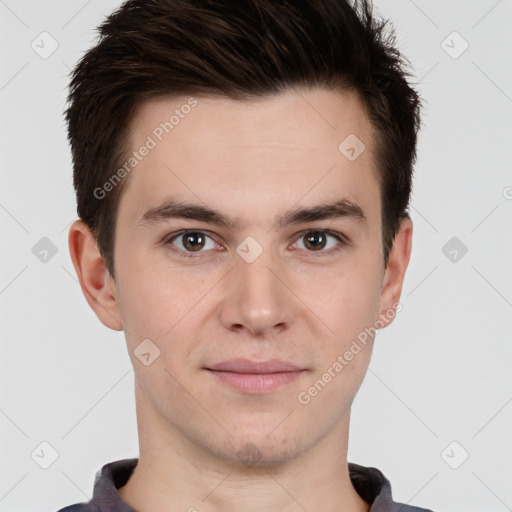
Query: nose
257,299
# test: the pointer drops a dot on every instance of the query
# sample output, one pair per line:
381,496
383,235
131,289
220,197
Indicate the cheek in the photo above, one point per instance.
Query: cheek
153,299
346,301
350,310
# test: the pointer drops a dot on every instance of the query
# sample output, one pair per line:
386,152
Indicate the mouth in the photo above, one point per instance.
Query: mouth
256,377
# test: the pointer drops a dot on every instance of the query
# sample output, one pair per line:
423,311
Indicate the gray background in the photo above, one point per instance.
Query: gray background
439,383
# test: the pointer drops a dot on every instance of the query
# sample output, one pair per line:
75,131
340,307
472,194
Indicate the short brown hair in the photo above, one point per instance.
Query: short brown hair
239,49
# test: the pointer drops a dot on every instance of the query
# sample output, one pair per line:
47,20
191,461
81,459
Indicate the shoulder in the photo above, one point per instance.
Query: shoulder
106,482
80,507
373,486
402,507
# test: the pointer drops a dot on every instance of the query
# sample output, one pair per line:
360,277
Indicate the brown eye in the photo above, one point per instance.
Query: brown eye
193,241
188,242
318,240
315,240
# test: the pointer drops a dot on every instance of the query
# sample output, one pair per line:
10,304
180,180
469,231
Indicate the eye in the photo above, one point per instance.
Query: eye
317,240
190,242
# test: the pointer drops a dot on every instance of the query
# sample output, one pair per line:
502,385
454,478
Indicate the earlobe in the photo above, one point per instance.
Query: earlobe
97,285
394,275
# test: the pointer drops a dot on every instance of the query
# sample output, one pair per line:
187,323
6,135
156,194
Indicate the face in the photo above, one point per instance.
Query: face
262,274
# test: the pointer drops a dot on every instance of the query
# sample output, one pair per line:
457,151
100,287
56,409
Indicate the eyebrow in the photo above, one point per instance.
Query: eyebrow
174,209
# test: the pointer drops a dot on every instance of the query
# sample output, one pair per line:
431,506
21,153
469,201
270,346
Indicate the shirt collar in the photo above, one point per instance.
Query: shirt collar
369,483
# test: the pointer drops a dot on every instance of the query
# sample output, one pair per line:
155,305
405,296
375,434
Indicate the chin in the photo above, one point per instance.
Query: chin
258,450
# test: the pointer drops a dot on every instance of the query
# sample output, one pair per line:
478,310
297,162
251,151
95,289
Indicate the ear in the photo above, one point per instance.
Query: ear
97,285
399,256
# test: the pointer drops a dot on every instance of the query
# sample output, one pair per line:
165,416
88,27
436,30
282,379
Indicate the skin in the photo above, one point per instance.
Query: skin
253,161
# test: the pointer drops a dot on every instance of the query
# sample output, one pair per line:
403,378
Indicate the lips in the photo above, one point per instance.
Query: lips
254,377
254,367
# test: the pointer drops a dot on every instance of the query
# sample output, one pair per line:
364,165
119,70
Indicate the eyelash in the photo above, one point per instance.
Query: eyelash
189,254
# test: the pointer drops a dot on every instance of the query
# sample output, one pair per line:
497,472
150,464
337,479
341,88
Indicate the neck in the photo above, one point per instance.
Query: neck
173,473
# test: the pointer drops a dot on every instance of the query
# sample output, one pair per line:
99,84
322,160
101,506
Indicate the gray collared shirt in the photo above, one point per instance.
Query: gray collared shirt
369,483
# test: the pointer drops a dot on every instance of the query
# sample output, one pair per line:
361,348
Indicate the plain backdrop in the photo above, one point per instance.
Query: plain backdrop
434,412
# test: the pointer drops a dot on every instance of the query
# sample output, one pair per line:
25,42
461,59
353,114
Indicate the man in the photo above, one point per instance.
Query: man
243,171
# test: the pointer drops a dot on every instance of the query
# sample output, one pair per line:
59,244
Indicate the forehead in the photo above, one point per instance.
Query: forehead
265,156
